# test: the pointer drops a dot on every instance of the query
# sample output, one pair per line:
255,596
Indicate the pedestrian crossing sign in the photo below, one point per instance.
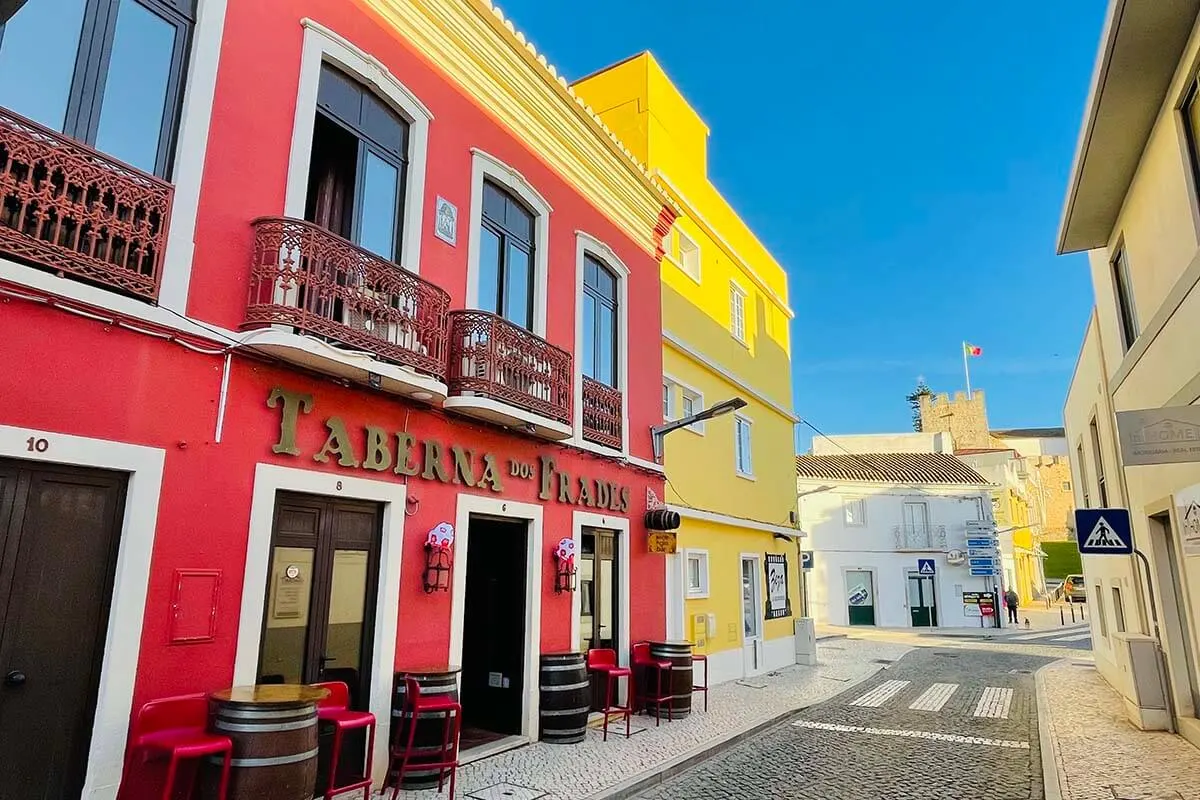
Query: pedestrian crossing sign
925,566
1103,531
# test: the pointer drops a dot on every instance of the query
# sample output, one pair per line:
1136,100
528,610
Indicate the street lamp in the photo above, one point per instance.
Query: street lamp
659,431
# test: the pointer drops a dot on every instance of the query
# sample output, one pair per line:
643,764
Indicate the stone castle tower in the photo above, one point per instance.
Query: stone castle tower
965,418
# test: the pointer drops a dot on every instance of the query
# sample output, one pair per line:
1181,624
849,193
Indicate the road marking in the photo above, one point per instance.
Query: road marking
994,703
1044,634
1076,638
939,737
933,698
880,694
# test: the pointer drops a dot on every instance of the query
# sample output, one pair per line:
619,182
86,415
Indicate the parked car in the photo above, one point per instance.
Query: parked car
1074,589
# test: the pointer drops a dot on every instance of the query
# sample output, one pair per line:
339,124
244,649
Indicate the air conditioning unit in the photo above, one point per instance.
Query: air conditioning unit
1143,685
806,642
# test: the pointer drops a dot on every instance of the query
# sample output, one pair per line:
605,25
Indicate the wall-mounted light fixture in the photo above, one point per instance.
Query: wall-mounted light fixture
564,565
439,558
659,431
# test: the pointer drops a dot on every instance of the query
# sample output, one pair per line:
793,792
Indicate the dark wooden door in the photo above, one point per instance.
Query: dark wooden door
59,529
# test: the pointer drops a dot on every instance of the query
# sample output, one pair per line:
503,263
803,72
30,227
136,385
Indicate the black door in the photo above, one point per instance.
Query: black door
493,660
59,529
321,593
921,603
598,618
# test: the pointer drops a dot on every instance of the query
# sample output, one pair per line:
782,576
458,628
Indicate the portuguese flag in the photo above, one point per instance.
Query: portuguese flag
972,350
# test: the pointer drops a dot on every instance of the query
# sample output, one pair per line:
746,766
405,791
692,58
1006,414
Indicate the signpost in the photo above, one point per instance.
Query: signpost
806,559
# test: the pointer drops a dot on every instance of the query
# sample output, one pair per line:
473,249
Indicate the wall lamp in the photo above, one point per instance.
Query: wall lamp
659,431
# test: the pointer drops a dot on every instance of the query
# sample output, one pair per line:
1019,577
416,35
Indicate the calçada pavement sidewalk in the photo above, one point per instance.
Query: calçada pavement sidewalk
595,769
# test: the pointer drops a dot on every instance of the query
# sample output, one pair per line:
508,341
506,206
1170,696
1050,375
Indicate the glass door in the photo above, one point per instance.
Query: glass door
922,605
598,597
860,597
751,616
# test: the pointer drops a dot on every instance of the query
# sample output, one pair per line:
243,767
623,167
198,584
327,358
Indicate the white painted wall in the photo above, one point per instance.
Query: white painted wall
884,443
839,547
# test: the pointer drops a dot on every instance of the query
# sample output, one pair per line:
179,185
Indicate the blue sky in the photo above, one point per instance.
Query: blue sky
905,162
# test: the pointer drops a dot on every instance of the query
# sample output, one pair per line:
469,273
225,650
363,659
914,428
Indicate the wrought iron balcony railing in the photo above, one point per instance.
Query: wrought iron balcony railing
68,208
601,413
491,357
325,286
918,536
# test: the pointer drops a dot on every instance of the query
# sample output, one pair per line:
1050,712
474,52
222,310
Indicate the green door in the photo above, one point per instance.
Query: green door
921,603
860,597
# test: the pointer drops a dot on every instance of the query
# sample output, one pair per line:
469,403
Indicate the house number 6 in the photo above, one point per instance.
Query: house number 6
34,445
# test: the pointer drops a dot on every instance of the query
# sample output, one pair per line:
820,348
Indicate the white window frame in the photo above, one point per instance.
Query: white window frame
701,591
682,240
323,46
862,507
586,244
737,322
680,391
487,167
670,387
737,461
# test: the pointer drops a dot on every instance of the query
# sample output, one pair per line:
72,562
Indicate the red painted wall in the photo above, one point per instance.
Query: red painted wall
247,165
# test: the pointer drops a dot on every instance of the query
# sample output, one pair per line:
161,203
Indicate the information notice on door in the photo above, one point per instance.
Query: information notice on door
778,604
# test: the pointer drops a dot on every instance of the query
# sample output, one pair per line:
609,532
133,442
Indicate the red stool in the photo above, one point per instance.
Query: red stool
604,662
644,661
175,728
700,658
402,761
335,709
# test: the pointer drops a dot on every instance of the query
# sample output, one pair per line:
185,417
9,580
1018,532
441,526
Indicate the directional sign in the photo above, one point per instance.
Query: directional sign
925,566
981,552
983,572
983,541
981,525
1103,531
806,559
982,563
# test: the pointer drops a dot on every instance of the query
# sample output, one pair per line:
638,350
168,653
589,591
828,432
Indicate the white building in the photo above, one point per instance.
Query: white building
873,521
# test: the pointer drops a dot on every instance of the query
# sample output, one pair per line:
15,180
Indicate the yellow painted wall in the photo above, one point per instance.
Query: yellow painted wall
725,545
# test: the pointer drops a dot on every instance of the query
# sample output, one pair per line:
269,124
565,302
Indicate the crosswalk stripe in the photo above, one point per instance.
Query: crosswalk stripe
994,703
880,694
1044,634
1076,638
933,698
939,737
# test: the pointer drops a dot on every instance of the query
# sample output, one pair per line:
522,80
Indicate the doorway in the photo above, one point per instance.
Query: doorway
494,630
59,532
320,609
922,605
1169,582
860,597
598,592
751,616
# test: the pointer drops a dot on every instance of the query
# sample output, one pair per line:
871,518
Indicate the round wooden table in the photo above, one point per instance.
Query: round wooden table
434,679
679,653
274,734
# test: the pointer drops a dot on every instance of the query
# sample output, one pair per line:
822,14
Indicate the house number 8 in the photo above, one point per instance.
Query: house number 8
37,445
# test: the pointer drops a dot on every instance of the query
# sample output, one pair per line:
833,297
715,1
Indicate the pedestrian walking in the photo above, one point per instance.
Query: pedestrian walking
1011,601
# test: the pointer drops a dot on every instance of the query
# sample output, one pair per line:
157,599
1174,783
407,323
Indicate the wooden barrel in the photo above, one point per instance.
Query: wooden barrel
679,654
274,749
565,698
427,741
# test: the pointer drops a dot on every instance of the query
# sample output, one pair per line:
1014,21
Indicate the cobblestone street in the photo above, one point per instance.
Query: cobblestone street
939,723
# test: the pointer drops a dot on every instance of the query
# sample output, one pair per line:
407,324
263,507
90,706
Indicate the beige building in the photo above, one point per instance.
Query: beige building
1132,204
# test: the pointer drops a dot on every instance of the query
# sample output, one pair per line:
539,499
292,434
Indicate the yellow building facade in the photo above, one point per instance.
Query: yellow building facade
734,584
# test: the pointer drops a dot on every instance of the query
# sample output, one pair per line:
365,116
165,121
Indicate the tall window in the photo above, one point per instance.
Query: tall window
108,73
693,403
1123,289
668,400
854,511
599,322
1118,608
1191,124
1101,489
506,246
745,460
359,159
737,311
1083,481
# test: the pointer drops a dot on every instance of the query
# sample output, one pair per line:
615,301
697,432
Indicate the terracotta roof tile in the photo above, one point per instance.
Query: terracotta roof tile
889,467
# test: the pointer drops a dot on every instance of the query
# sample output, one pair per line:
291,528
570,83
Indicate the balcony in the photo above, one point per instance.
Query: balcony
502,373
321,301
601,414
67,208
920,537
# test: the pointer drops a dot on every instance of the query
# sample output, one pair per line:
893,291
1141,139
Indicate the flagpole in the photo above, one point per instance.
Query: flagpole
967,369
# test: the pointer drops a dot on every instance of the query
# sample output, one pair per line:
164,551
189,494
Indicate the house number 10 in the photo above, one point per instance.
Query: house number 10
34,445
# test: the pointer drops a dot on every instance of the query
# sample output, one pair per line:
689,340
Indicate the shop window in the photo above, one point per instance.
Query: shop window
108,73
600,328
697,573
358,168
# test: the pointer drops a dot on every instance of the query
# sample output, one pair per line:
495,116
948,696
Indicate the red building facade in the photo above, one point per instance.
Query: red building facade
348,295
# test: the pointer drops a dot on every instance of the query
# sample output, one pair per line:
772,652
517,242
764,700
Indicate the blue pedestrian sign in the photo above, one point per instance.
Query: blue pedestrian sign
1103,531
925,566
806,559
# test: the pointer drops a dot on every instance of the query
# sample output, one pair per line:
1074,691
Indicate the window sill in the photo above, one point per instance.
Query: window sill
748,476
691,595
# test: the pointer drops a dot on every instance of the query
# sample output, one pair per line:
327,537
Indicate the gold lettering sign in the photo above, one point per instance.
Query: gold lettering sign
661,542
430,460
